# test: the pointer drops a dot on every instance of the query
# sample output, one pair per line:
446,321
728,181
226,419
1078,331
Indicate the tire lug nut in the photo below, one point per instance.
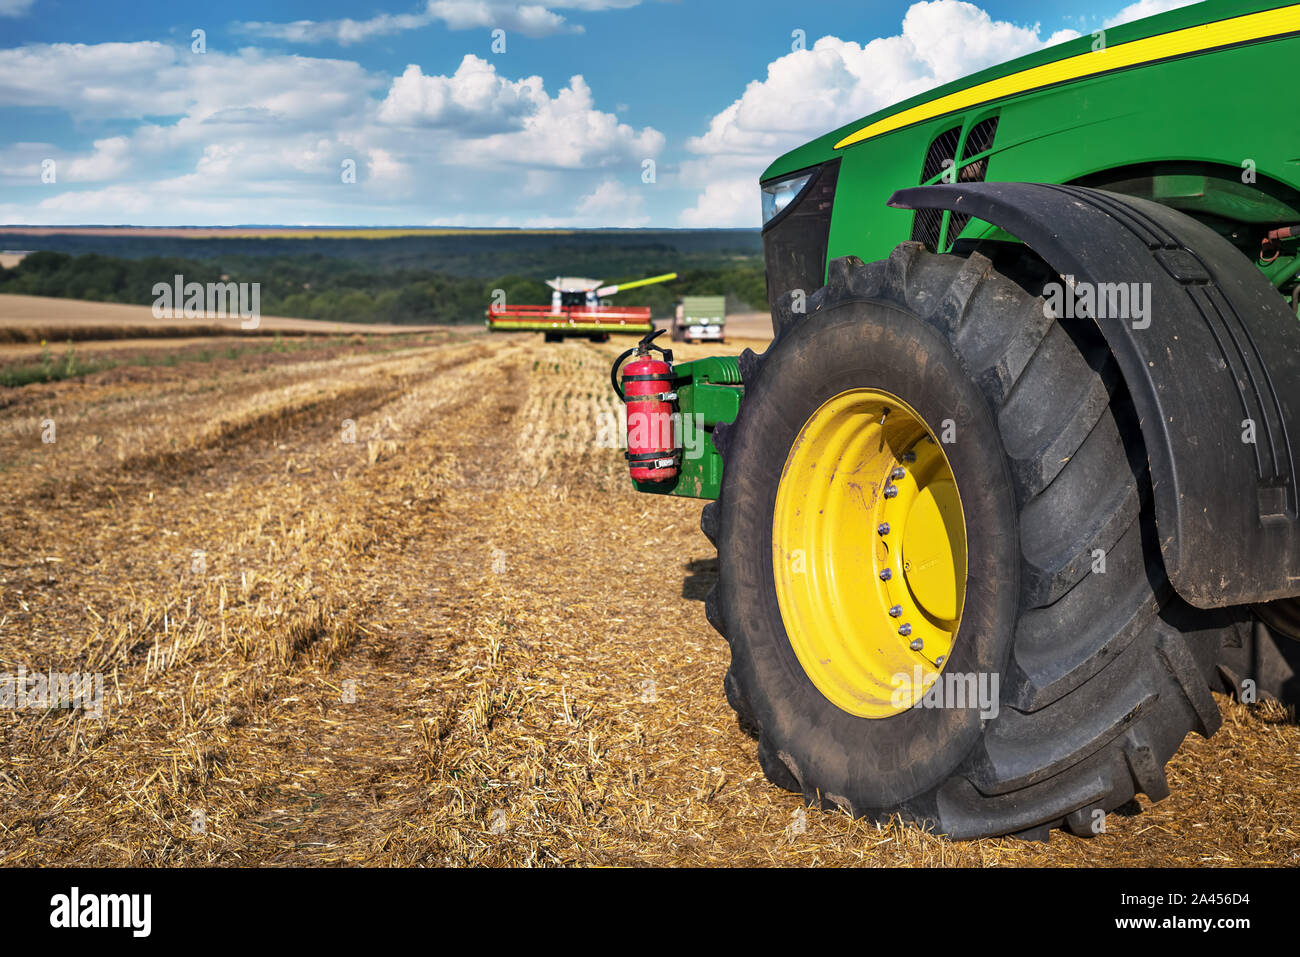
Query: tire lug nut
891,491
883,528
895,611
905,629
917,645
886,574
940,660
898,473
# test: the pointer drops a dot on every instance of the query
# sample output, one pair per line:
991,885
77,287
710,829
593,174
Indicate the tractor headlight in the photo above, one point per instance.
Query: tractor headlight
779,194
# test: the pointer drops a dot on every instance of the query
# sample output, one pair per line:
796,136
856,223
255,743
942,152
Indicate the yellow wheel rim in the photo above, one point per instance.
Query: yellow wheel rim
869,553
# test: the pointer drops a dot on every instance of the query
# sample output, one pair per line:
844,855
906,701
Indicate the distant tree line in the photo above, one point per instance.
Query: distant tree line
600,254
328,287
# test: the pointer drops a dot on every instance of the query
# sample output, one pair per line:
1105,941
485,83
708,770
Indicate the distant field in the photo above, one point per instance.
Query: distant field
269,232
26,319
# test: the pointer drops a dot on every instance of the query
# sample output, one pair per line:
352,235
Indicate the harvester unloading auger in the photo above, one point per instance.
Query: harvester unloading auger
577,309
1015,484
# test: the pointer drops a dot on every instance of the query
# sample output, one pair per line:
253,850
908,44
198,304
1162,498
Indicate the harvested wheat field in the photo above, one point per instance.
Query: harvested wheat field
437,644
31,319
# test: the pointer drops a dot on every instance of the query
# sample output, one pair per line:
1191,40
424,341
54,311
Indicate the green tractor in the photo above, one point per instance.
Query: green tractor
1015,485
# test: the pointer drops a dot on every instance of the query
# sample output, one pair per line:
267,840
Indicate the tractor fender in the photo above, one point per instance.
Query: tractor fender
1213,369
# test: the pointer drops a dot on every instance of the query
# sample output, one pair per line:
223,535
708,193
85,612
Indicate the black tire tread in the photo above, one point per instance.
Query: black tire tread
1100,691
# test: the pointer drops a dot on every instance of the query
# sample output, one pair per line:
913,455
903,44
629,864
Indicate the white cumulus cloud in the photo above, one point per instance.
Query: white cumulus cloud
344,32
809,92
613,204
252,136
566,132
529,19
1146,8
110,158
475,95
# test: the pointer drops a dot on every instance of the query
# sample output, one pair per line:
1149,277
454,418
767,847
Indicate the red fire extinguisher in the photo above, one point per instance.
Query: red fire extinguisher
648,392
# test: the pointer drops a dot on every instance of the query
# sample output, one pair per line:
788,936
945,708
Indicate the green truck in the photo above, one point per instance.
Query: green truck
1015,485
700,319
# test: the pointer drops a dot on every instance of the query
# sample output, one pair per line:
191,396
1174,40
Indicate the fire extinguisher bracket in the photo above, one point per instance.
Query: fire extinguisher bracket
656,397
648,391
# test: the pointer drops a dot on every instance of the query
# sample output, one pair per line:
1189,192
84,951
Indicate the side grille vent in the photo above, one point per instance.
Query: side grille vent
928,222
978,140
942,152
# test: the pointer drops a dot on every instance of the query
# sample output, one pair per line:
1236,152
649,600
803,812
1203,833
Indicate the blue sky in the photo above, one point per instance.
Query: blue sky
112,102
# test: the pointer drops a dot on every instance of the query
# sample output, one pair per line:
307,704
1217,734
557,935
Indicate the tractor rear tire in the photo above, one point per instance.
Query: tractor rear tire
1066,602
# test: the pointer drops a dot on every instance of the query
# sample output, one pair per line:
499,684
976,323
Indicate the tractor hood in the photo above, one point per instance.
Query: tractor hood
1168,35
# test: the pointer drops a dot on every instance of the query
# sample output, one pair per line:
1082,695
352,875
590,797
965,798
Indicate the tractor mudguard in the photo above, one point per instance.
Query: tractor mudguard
1213,369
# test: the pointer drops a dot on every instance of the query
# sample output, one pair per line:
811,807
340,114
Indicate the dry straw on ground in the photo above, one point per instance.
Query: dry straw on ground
427,637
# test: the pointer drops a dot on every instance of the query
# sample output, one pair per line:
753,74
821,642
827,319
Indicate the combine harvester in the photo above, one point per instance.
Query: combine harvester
1016,483
577,309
